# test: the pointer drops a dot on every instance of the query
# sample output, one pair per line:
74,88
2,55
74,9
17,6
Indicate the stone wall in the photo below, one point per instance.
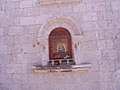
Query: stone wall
24,29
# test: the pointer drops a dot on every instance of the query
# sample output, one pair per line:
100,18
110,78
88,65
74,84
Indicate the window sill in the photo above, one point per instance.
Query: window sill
67,68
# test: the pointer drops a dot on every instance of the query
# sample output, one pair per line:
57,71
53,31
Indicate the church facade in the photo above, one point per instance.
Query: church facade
59,45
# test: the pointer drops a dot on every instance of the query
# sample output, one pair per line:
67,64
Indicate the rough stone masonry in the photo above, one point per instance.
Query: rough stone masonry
25,26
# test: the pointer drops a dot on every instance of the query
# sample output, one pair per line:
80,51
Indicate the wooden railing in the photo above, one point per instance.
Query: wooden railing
57,62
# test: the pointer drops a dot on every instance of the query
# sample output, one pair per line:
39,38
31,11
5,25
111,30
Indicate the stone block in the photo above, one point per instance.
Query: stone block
106,76
117,23
6,78
24,68
0,68
27,20
16,87
2,14
15,30
102,44
14,68
26,86
113,54
91,56
115,5
26,3
109,34
117,74
33,78
3,68
86,86
108,15
109,54
34,29
20,59
6,22
90,36
1,31
90,17
27,48
17,40
107,86
23,12
25,39
15,0
5,59
12,5
116,14
64,9
95,86
13,59
33,11
25,78
34,87
90,77
8,40
12,13
101,6
88,46
18,48
102,35
61,77
117,33
89,26
42,19
107,66
2,1
109,44
16,78
3,50
105,25
118,85
117,43
32,58
80,8
100,15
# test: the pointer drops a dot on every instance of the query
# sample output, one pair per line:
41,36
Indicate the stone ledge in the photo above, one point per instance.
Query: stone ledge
68,68
49,2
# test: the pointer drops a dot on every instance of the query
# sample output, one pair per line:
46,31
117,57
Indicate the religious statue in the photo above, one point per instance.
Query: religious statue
61,47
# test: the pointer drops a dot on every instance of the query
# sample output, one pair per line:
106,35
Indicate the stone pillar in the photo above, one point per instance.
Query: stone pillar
44,51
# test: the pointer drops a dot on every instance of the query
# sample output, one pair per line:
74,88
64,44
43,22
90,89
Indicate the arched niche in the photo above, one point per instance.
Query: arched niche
63,22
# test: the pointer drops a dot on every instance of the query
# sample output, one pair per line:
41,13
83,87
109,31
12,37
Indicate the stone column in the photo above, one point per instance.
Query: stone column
44,51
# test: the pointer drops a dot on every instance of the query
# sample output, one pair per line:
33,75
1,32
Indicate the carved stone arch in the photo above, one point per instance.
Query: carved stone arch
56,22
62,22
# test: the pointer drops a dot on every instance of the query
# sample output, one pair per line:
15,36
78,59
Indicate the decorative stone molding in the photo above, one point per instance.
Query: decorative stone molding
65,22
67,68
49,2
